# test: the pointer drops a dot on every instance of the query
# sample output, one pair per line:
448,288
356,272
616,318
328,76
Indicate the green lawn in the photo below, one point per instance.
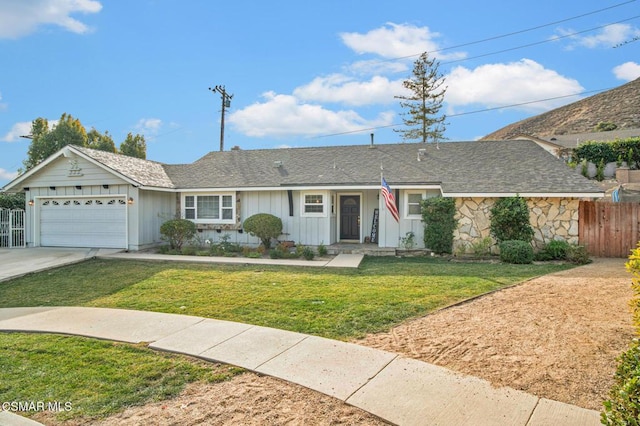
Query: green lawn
96,376
335,303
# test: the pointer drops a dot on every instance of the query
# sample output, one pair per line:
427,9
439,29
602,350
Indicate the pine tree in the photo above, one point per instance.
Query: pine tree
424,102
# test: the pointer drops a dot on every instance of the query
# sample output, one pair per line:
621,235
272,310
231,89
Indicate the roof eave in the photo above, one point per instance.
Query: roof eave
524,194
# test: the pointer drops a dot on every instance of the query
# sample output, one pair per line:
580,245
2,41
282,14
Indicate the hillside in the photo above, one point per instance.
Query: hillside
620,106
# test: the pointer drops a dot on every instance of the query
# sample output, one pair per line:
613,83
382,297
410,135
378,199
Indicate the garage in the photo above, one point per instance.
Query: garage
83,222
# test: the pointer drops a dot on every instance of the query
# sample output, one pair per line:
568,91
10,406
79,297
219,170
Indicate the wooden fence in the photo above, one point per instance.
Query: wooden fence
609,229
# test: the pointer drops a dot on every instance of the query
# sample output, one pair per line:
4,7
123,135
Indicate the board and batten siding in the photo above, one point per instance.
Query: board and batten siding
149,211
57,173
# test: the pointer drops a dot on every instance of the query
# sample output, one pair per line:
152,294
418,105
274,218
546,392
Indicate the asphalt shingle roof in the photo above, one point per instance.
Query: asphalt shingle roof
145,172
460,167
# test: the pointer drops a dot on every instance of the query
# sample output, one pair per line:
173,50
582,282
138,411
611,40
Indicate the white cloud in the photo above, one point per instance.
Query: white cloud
7,175
149,127
608,36
285,115
628,71
19,18
346,90
495,85
396,41
377,67
22,128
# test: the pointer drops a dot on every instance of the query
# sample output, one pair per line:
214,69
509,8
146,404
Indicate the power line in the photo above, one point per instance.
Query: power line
465,113
537,27
540,42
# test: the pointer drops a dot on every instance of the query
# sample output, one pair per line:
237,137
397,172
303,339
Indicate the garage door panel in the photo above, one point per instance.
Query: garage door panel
94,222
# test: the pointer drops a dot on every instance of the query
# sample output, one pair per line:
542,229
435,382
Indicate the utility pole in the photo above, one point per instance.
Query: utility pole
226,103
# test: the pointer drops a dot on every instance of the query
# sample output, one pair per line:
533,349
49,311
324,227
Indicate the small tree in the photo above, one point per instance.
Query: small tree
438,215
424,102
264,226
510,220
97,140
12,201
134,146
177,232
44,142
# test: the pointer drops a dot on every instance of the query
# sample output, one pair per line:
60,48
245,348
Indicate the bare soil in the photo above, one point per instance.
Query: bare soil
556,337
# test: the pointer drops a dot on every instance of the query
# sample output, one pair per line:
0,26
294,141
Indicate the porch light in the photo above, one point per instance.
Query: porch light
130,200
31,202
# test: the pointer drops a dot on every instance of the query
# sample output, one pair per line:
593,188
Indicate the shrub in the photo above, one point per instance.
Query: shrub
510,220
322,250
12,201
408,241
308,253
438,215
600,170
276,253
554,250
623,405
177,232
578,254
482,247
264,226
516,251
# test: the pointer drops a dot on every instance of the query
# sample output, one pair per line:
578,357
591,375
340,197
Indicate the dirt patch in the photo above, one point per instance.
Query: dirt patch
248,399
556,337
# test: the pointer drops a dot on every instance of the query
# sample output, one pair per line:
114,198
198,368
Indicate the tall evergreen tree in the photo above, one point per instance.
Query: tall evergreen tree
423,104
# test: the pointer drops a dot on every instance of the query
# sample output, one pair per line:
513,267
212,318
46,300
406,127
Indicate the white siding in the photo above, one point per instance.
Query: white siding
57,173
148,212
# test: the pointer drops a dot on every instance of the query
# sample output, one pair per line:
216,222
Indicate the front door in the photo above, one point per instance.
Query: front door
350,217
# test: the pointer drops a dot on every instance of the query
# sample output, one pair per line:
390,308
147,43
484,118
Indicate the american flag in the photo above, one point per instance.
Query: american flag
390,200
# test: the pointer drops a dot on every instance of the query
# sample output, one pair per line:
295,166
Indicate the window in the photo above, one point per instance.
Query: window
313,204
209,208
412,203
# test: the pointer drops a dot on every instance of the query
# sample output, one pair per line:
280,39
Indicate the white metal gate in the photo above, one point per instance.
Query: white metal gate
12,228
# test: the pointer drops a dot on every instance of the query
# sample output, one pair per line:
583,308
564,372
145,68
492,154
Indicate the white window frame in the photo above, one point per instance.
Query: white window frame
304,204
221,207
406,204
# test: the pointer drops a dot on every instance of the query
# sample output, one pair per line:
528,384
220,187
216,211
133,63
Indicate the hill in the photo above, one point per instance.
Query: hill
620,106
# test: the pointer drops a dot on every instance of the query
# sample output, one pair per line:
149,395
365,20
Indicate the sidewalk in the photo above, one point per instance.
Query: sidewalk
399,390
340,261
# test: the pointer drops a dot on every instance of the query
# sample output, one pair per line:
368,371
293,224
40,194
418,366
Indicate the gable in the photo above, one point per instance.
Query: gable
71,171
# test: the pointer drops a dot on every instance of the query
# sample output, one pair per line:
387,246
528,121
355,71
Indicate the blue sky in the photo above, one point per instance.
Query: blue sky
301,73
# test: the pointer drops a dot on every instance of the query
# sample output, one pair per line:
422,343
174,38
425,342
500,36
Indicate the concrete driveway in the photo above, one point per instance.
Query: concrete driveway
16,262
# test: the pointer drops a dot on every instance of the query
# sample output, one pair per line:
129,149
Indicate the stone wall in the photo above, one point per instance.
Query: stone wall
551,219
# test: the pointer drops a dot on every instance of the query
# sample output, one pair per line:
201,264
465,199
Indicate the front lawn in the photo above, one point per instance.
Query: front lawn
100,378
76,377
335,303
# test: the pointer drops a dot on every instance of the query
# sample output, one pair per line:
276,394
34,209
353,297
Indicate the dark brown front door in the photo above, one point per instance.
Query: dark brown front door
350,217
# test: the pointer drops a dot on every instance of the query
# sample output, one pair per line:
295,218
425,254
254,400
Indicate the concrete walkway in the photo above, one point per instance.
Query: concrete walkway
399,390
340,261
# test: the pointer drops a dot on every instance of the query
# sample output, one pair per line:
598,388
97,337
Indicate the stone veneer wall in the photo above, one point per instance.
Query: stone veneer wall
551,218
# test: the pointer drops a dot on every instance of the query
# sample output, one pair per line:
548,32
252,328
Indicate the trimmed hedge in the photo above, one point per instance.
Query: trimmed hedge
438,215
177,232
510,220
516,251
627,150
264,226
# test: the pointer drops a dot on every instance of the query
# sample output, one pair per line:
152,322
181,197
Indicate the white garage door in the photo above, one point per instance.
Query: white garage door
83,222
